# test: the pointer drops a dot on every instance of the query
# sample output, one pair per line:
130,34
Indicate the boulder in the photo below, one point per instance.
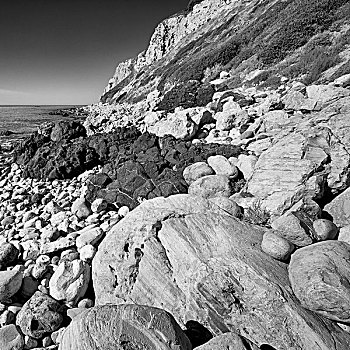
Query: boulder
11,338
178,252
81,208
287,171
222,166
339,209
179,124
197,170
98,205
276,246
228,205
344,234
10,283
211,186
70,281
246,164
126,327
291,228
67,130
319,275
8,255
324,229
41,314
326,94
89,236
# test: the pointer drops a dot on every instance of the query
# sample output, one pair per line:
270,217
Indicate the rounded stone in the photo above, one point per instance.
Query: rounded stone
11,338
222,166
276,246
319,276
195,171
211,186
8,254
325,229
228,205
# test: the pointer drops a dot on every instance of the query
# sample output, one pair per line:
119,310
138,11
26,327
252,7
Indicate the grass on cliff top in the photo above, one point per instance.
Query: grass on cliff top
272,33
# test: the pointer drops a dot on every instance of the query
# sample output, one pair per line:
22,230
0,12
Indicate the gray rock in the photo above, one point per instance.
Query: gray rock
319,275
339,208
291,228
211,186
126,327
178,252
41,314
11,338
276,246
98,205
325,229
89,236
285,173
195,171
228,205
179,124
70,281
344,234
80,208
222,166
8,255
10,283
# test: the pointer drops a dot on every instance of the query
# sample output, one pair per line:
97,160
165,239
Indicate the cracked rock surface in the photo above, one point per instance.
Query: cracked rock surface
186,255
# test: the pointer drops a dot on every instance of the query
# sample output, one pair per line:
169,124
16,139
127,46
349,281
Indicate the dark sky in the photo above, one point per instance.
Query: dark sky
65,51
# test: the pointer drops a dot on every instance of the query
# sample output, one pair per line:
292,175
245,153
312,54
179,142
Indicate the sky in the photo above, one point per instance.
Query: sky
63,52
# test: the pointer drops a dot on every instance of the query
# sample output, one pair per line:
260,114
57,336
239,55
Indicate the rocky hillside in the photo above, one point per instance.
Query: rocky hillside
257,42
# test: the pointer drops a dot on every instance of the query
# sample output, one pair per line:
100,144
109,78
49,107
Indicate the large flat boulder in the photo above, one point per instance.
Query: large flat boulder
126,327
287,171
186,255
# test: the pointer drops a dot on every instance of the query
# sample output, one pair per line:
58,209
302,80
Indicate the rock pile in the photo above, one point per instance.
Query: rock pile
192,244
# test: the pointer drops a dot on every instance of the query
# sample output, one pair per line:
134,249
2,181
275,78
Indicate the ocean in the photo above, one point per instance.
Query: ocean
21,121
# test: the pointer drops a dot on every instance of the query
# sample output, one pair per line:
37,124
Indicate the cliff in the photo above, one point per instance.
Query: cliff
167,35
256,41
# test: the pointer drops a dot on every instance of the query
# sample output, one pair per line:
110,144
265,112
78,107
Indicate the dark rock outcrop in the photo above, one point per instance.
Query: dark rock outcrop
135,166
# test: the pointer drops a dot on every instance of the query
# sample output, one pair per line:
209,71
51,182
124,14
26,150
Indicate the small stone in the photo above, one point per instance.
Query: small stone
70,281
222,166
10,283
87,253
99,205
6,318
8,255
47,341
89,236
197,170
11,338
123,211
276,246
80,208
85,303
325,229
41,314
290,228
30,343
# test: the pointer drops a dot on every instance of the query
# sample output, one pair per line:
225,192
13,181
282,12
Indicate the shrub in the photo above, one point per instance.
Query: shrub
257,215
187,95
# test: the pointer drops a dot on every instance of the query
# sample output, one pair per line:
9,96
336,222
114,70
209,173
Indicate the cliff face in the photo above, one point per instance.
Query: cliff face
167,35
